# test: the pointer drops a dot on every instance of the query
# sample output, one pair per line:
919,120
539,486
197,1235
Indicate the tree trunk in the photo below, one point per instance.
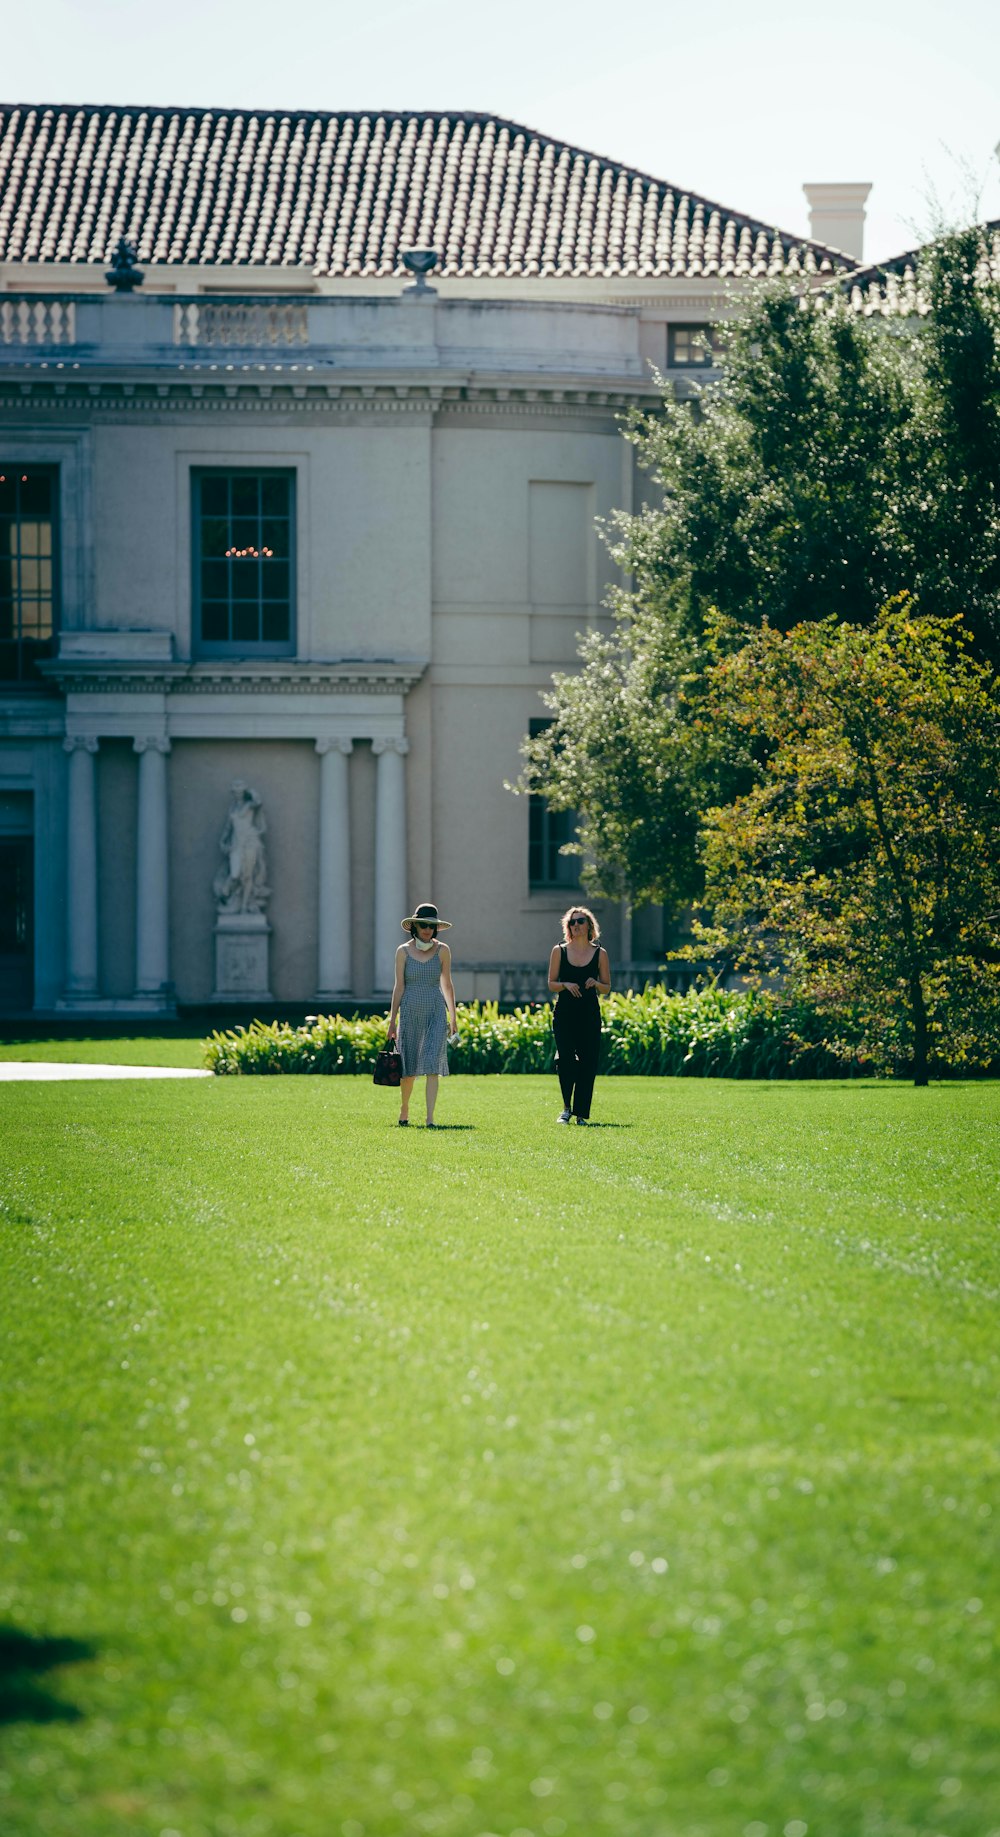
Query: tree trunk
920,1034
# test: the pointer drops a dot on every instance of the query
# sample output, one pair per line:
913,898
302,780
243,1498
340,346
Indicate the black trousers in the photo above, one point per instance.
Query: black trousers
576,1024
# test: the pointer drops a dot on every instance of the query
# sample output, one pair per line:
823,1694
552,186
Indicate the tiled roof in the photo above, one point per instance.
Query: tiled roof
893,288
344,194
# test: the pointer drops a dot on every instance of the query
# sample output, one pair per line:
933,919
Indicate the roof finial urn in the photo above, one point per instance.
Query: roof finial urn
420,263
123,275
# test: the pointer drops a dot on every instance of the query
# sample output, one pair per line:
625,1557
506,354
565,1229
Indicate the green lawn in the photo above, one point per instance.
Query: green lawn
143,1050
630,1482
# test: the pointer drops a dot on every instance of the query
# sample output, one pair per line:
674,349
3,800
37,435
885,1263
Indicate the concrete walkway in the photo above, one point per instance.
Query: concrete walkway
45,1070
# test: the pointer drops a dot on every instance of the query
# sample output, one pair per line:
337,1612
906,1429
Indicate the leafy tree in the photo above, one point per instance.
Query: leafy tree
837,461
956,540
864,862
625,754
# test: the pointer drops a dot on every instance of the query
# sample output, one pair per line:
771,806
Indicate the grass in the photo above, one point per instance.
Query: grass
634,1482
142,1050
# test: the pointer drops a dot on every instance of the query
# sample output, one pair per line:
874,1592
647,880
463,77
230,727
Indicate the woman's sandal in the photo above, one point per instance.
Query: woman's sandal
404,1123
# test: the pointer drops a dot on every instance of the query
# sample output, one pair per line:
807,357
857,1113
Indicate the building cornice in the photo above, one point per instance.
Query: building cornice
376,676
49,387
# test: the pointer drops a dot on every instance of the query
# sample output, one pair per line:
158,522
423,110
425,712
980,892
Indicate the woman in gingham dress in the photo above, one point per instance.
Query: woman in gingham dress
423,1003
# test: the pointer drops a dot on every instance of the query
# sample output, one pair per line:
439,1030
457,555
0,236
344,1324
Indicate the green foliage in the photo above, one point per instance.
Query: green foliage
780,495
705,1033
955,457
837,461
626,751
864,864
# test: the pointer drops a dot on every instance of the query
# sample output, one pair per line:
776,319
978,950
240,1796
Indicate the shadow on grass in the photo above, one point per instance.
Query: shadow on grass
22,1659
439,1128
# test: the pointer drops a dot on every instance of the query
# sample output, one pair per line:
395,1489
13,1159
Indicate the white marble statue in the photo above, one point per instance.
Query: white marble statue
241,885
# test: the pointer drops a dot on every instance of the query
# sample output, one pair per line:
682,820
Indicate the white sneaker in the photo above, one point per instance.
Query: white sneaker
563,1117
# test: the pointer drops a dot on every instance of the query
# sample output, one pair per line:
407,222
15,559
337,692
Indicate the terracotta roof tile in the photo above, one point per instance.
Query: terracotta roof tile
344,194
893,288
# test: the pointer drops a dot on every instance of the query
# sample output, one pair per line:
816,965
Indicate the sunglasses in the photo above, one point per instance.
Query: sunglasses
578,921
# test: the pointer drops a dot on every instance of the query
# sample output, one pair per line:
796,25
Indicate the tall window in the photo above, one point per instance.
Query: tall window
547,831
691,347
27,570
244,581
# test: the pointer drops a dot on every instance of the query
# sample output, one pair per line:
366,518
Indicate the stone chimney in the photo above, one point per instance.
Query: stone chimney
837,216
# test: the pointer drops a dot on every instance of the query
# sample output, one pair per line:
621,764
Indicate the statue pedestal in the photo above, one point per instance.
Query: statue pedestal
241,957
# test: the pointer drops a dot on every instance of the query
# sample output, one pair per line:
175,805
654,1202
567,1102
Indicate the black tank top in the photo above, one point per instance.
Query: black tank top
578,973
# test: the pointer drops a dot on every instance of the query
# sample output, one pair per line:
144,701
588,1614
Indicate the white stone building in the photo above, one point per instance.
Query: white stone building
283,516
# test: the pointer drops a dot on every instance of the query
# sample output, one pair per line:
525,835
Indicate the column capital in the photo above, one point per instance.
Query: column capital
151,743
80,743
334,746
392,744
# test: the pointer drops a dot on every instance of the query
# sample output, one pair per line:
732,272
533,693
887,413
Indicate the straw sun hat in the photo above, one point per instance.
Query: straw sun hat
426,915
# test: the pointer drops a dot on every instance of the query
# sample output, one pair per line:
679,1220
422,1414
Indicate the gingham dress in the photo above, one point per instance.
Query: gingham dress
423,1018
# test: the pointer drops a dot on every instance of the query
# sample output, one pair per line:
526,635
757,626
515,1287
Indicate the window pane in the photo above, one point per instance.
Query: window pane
274,580
275,624
214,536
246,494
27,575
214,621
215,579
246,624
235,573
246,581
215,497
691,345
36,494
274,497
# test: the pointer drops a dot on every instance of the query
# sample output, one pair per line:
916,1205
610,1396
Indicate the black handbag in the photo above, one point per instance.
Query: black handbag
388,1067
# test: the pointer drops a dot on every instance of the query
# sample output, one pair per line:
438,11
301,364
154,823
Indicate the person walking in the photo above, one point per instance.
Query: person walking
579,973
423,1002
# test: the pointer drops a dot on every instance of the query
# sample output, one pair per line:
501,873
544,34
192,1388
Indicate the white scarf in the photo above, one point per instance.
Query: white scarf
428,946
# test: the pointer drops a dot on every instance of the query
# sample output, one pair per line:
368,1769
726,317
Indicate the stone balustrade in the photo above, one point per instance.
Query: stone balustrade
241,324
541,339
44,321
529,982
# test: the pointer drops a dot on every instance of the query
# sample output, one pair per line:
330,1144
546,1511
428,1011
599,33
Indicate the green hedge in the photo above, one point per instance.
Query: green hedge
706,1033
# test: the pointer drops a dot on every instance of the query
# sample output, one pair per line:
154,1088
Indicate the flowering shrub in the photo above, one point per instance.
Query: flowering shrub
707,1033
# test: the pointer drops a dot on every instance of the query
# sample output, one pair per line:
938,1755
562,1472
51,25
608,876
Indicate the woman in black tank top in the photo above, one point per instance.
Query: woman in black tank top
579,974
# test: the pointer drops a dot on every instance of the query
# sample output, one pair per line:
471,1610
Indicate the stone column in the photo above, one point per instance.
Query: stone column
81,870
152,904
390,855
334,867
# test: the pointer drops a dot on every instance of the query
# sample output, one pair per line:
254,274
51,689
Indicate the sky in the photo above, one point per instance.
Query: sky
738,102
